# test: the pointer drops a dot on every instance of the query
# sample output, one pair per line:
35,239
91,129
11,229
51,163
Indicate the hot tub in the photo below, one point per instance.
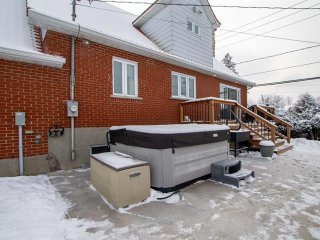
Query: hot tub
178,154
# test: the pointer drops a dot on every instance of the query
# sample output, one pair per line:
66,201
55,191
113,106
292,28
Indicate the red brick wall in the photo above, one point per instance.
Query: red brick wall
42,93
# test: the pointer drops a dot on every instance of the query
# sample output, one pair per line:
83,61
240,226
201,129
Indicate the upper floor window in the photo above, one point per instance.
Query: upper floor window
125,77
183,86
193,27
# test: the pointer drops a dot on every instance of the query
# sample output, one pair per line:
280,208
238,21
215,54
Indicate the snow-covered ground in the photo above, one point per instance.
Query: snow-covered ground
282,203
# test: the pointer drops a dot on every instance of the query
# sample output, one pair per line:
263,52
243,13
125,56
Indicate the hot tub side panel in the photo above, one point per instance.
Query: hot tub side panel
187,163
193,162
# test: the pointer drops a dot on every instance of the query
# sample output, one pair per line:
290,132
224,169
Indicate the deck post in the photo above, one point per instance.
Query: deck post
181,113
273,135
288,134
211,112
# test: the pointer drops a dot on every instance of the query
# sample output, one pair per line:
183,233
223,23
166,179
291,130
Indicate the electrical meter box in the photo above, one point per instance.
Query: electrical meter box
20,118
72,109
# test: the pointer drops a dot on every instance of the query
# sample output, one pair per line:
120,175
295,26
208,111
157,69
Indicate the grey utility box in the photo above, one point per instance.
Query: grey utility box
72,109
20,118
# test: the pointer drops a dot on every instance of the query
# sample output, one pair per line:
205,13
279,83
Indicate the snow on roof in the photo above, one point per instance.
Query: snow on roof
17,40
107,24
14,28
100,16
173,128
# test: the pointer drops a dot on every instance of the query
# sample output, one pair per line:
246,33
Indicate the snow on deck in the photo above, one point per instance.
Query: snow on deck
210,98
172,128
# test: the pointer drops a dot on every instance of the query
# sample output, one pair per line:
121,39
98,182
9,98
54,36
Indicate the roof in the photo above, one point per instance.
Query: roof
96,22
158,5
18,40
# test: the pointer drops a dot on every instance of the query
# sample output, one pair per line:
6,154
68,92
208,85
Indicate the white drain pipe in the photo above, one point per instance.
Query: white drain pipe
20,121
20,150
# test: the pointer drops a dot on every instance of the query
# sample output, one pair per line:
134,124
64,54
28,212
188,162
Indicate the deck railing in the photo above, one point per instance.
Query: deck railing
216,110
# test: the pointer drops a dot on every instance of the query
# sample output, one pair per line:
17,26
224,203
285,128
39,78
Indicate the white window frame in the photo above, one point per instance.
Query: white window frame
179,96
193,27
125,62
222,86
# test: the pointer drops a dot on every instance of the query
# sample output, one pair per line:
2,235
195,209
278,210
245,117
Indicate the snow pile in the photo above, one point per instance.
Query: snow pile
304,147
32,209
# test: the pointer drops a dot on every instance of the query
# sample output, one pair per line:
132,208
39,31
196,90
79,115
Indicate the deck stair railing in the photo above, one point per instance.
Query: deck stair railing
283,128
220,111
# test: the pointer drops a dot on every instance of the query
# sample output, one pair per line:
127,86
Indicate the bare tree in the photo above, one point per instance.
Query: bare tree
272,100
227,60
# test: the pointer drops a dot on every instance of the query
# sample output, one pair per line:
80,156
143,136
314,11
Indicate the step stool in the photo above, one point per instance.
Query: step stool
229,172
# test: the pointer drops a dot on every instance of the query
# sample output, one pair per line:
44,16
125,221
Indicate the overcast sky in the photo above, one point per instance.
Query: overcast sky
306,30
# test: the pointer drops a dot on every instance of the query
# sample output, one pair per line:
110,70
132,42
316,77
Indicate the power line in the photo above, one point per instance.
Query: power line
287,81
259,19
264,24
273,70
183,23
290,24
266,36
275,55
207,5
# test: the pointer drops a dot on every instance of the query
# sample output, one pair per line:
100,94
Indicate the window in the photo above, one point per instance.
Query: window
125,77
193,27
183,86
229,92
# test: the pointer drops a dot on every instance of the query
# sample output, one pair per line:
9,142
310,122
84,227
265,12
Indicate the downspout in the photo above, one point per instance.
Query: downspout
72,82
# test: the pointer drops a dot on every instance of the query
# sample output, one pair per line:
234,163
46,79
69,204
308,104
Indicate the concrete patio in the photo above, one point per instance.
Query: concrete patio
282,203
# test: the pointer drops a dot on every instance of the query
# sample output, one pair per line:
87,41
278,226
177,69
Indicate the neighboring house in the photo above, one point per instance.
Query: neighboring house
128,70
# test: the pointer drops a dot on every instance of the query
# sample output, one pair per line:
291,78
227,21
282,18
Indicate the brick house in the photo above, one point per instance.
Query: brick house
128,70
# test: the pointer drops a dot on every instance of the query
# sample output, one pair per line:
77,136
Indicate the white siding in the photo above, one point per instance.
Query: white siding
168,29
159,29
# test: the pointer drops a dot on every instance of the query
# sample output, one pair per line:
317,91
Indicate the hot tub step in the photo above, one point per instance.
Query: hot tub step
230,172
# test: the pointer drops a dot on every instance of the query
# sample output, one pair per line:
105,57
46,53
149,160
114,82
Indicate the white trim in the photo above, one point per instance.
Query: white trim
231,87
125,62
126,97
188,77
155,8
31,57
41,19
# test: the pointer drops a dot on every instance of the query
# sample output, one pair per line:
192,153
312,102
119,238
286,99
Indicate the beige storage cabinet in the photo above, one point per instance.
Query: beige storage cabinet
121,179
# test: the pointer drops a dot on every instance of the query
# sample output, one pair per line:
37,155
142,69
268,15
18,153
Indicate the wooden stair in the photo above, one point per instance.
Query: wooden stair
263,125
281,145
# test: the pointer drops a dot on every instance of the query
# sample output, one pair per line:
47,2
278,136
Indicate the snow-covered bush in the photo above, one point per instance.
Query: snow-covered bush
302,128
304,115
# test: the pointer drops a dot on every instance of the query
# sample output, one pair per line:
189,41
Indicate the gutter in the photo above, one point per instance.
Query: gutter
31,57
42,19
